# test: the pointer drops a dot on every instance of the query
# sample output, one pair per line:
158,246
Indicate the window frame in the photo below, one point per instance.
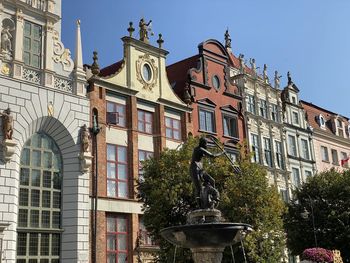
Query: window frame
118,115
172,129
255,148
116,162
324,150
263,108
305,151
279,155
298,183
274,112
143,121
292,146
251,104
295,118
268,152
116,234
32,40
213,119
145,238
234,129
147,155
335,161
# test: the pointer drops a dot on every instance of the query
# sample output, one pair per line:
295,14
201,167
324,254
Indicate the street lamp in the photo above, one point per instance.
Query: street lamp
305,215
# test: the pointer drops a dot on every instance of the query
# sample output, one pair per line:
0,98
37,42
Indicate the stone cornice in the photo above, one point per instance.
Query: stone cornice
147,48
335,138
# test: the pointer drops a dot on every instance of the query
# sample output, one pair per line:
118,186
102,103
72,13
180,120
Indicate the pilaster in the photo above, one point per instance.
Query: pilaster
18,52
132,144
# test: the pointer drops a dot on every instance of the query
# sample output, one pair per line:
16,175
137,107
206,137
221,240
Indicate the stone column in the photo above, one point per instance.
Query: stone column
49,46
18,61
207,255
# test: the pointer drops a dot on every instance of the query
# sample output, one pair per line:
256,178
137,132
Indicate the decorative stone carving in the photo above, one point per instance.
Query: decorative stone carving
6,38
140,63
277,80
253,65
241,63
63,84
50,109
144,28
8,144
62,55
85,151
265,77
5,69
31,75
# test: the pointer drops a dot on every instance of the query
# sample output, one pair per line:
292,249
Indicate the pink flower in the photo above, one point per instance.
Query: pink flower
318,254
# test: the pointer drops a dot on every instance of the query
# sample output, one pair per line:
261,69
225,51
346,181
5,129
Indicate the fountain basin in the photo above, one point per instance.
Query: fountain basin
205,235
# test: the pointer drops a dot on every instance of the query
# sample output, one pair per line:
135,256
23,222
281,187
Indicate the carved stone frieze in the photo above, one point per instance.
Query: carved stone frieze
7,29
148,84
31,75
63,84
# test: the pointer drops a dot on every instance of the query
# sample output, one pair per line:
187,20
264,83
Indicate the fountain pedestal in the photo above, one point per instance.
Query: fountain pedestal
206,234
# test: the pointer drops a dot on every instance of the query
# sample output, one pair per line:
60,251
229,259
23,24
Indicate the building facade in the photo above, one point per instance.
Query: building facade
139,116
44,179
331,135
264,120
204,82
298,137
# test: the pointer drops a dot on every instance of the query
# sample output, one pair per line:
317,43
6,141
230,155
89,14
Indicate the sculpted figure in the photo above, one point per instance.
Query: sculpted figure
266,78
144,30
241,62
85,139
7,124
289,78
277,80
204,184
6,37
253,65
227,39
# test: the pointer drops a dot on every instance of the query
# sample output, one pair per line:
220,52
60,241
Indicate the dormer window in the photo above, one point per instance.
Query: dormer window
321,121
294,100
340,128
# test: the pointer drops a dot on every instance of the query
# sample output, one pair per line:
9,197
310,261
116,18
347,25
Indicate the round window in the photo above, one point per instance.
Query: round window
147,72
216,82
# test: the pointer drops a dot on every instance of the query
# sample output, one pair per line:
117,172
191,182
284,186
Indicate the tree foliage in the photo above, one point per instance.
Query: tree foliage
167,194
328,194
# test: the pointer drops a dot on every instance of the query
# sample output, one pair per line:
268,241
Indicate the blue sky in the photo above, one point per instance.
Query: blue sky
309,38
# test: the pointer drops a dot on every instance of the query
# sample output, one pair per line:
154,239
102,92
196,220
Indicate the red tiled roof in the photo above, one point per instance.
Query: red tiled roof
111,69
313,111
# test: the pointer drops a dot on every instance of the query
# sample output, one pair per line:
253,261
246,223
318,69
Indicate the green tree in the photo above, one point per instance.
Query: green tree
326,198
167,194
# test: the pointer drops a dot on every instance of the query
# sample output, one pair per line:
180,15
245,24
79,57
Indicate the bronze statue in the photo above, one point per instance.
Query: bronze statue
85,139
289,78
207,195
227,39
7,124
144,30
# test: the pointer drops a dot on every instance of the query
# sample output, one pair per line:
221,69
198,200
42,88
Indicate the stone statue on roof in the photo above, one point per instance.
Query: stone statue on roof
241,63
227,39
289,78
277,80
265,77
253,65
144,28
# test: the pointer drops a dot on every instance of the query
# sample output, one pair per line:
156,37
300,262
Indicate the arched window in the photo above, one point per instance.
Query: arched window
39,213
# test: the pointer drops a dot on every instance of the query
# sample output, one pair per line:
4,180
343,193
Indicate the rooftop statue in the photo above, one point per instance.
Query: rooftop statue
144,28
227,39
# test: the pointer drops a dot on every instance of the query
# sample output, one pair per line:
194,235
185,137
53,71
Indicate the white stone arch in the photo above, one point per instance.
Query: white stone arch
75,187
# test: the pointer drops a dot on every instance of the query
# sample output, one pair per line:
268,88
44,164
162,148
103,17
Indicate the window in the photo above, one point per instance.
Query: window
267,149
115,114
294,100
146,72
206,120
117,171
321,121
335,160
32,44
305,149
292,146
340,128
296,177
216,82
284,195
274,112
117,239
324,153
279,159
251,104
308,174
144,235
233,156
143,155
263,108
295,117
172,128
145,120
344,156
255,148
39,211
230,125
